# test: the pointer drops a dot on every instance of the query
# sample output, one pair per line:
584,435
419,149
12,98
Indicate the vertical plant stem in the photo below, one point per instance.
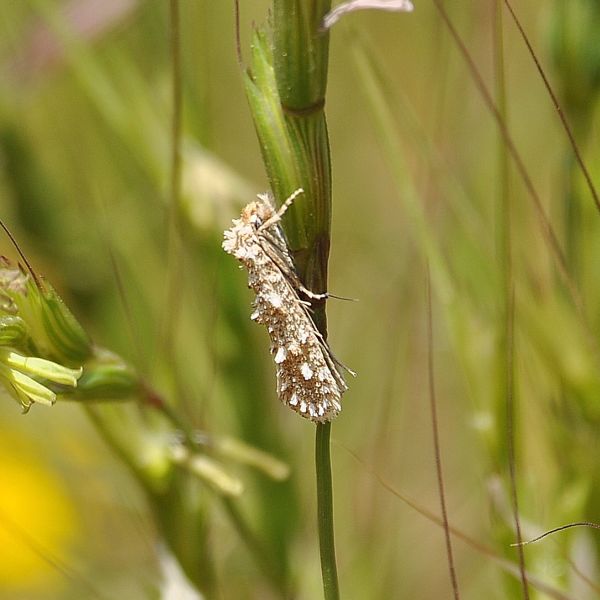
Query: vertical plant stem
325,512
546,227
174,278
557,105
511,439
301,63
289,116
175,44
436,441
507,353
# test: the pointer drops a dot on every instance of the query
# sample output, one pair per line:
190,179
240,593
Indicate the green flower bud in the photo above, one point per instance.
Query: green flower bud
50,325
42,346
106,381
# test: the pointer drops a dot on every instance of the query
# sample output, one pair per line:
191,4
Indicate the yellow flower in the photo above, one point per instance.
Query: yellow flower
37,519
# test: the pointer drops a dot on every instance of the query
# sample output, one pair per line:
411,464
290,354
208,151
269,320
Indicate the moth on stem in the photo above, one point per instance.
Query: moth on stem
309,380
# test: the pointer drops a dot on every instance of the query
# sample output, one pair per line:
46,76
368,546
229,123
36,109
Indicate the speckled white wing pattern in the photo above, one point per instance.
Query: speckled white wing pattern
308,378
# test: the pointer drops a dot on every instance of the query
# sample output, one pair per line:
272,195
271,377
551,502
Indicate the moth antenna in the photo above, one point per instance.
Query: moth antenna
289,202
21,254
282,210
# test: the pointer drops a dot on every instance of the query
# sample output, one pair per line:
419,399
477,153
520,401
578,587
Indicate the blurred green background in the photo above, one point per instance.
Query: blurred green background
85,114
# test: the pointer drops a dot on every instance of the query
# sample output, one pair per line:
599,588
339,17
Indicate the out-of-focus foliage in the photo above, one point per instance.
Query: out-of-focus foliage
84,169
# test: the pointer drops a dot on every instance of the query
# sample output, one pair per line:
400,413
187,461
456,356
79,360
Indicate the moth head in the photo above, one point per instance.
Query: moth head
256,213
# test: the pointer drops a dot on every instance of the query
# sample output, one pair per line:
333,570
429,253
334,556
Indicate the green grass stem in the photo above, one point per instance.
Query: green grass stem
325,512
286,91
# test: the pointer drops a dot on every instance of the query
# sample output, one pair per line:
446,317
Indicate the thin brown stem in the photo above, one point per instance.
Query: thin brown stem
238,37
546,227
506,564
506,252
14,242
511,438
557,106
436,441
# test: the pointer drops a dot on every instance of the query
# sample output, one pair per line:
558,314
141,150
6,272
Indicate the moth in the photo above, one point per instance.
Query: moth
309,380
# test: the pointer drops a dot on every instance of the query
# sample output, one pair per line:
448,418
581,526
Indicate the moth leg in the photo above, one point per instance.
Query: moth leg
312,295
324,295
289,272
280,259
